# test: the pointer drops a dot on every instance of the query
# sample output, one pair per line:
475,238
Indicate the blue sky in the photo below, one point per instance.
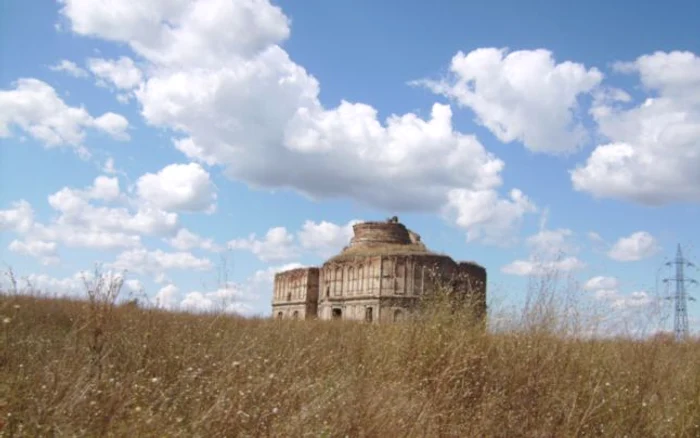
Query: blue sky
161,137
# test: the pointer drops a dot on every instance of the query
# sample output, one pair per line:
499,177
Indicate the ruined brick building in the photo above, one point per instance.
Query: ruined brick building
379,276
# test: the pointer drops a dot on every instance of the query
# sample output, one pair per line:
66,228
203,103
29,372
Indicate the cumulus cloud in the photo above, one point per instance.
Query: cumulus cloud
523,96
322,239
534,267
601,282
157,262
214,66
607,290
76,210
34,107
325,238
637,246
487,217
179,187
73,286
186,240
652,151
121,73
82,223
105,188
550,252
18,218
277,244
45,252
551,242
248,298
167,297
113,124
70,68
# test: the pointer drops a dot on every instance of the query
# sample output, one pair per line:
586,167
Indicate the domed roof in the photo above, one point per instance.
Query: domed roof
383,238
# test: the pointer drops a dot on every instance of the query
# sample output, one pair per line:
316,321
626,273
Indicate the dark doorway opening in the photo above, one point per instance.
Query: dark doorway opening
337,313
368,314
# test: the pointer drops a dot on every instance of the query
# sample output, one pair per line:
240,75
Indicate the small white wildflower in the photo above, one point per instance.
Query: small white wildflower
138,409
275,410
6,320
16,306
154,380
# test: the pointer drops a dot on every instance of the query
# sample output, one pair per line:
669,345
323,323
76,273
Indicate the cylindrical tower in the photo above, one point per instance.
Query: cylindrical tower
384,270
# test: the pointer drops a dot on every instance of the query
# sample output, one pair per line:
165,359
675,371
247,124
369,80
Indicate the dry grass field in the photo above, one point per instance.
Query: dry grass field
93,368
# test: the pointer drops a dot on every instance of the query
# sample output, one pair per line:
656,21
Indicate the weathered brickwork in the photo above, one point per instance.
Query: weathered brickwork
379,276
296,294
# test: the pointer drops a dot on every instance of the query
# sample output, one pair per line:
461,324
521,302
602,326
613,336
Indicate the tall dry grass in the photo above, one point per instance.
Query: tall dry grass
95,368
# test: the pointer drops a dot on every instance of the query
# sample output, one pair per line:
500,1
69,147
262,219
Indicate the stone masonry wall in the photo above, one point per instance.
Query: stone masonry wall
296,293
369,233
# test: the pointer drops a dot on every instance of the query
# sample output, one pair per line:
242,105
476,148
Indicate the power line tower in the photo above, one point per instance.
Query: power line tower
680,320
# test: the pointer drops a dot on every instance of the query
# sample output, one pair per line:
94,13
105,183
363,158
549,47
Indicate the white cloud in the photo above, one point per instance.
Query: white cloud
551,242
19,218
74,286
213,68
637,246
45,252
653,149
186,240
34,107
229,300
121,73
487,217
550,252
601,282
325,238
167,297
76,210
59,287
70,68
278,244
633,300
322,239
179,187
176,33
75,237
252,297
105,188
534,267
157,262
523,95
82,224
113,124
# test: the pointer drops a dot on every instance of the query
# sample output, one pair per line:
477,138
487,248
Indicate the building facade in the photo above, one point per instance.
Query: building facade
379,276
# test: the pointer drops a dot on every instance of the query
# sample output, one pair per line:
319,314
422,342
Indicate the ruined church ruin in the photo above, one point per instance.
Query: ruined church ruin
379,276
